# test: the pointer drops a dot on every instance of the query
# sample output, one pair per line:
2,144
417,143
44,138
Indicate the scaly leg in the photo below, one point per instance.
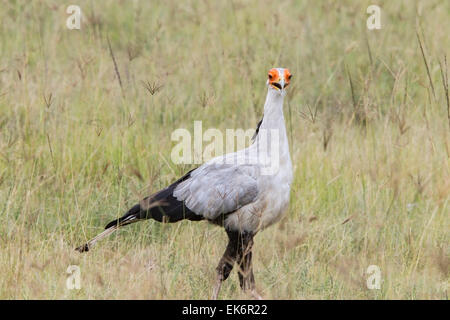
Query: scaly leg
226,262
244,259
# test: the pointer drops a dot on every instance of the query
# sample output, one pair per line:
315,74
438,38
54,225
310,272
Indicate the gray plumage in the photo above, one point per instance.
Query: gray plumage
214,189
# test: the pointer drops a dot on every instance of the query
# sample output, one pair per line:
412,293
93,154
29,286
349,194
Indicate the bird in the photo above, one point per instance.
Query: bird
244,192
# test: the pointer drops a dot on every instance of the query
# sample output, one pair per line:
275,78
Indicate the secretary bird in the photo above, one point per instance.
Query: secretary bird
236,191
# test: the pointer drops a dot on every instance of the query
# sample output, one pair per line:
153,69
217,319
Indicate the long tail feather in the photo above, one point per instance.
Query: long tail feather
130,217
161,206
85,247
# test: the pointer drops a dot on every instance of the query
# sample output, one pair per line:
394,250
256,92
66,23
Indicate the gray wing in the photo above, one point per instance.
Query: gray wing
215,189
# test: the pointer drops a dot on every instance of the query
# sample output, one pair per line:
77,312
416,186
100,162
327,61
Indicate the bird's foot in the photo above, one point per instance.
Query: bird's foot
255,295
216,289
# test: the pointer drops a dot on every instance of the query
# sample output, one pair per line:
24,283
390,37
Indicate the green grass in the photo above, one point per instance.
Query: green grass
70,166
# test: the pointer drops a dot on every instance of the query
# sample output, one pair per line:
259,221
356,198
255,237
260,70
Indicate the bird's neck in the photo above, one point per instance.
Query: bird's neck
272,132
273,119
273,111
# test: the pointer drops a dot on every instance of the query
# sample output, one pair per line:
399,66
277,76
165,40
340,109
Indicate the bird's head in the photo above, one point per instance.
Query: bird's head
278,79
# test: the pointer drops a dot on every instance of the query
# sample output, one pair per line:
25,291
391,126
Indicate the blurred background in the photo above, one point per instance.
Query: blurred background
86,118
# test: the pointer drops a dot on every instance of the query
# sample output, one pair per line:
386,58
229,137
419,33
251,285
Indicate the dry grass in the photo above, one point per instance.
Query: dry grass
367,118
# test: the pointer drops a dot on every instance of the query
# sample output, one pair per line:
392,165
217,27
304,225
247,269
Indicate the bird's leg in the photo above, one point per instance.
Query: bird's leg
226,262
244,259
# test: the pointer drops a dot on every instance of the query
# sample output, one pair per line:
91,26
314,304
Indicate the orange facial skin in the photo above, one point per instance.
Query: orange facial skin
275,78
287,77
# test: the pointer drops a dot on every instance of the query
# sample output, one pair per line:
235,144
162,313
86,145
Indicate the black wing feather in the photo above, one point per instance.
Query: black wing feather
161,206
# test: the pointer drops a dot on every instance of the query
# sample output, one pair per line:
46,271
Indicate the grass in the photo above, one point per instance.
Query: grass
368,125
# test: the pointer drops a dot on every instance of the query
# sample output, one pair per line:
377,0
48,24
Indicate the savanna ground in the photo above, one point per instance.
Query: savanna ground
367,118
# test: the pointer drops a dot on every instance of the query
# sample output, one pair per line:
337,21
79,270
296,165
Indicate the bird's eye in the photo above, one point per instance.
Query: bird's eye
287,74
270,76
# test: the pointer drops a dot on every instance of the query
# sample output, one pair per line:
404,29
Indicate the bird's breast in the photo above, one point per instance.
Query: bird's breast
268,208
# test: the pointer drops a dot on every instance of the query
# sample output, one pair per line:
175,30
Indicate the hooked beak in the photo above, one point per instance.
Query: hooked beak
280,85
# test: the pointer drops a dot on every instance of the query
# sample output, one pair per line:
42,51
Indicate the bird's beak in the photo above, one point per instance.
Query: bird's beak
280,85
